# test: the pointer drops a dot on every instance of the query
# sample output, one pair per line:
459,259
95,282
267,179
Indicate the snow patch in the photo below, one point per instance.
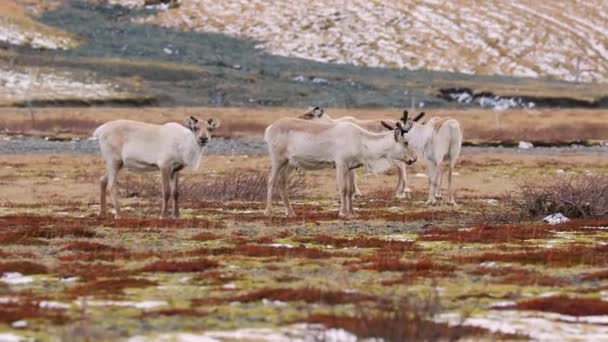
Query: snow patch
16,278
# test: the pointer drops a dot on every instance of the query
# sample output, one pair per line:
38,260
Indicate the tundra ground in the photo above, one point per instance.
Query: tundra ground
438,272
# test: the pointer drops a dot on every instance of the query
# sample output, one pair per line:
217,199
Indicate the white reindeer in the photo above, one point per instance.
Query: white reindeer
437,141
296,143
316,113
141,146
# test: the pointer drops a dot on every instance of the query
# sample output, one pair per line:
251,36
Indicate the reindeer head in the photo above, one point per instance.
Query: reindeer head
401,137
202,128
408,123
314,113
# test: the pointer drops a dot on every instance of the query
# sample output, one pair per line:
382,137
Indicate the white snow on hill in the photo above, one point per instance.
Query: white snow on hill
566,39
21,84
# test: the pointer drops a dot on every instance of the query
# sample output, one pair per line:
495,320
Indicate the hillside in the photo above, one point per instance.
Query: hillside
565,39
201,54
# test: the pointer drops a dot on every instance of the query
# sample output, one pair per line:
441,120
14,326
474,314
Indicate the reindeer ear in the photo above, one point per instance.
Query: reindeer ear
418,117
387,125
191,122
318,112
213,124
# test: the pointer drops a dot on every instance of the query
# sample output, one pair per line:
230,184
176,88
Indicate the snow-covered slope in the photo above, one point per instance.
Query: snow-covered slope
565,39
19,28
18,84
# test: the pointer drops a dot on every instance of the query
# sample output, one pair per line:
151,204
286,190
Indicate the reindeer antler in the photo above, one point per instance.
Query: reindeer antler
404,117
418,117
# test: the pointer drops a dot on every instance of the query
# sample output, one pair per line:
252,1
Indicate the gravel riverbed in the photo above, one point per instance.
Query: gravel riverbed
240,146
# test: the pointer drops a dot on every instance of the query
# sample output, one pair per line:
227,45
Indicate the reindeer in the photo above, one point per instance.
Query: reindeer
296,143
141,146
319,114
437,141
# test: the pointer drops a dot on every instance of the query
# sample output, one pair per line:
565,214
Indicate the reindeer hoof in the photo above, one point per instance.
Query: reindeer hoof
347,216
358,194
290,214
453,203
431,202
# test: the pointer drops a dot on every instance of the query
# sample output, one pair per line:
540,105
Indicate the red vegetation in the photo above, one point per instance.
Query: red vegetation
88,246
88,271
382,262
360,242
23,267
564,305
570,255
15,311
521,276
307,294
109,256
265,251
489,233
109,287
48,227
205,237
196,265
599,275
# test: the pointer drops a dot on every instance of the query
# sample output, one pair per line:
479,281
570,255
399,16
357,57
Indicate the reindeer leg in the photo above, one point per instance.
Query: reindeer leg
402,190
166,189
272,181
432,173
103,186
342,175
450,189
350,193
357,192
439,182
283,191
175,193
113,171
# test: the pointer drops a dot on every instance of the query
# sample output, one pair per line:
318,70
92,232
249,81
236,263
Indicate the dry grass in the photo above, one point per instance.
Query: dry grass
23,267
563,256
564,305
549,125
584,196
491,234
239,185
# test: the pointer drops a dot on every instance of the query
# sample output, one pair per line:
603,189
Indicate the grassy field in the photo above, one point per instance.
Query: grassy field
224,270
479,125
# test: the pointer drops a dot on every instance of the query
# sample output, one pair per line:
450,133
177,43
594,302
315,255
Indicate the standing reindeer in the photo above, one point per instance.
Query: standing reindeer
141,146
437,142
318,114
296,143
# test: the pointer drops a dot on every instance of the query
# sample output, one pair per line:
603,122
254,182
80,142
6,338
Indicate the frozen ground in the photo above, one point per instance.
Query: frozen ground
562,39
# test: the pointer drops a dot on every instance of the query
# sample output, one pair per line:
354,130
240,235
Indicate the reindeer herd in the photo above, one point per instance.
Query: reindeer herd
313,140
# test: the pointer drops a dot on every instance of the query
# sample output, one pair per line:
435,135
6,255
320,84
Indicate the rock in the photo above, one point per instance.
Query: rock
524,145
556,219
